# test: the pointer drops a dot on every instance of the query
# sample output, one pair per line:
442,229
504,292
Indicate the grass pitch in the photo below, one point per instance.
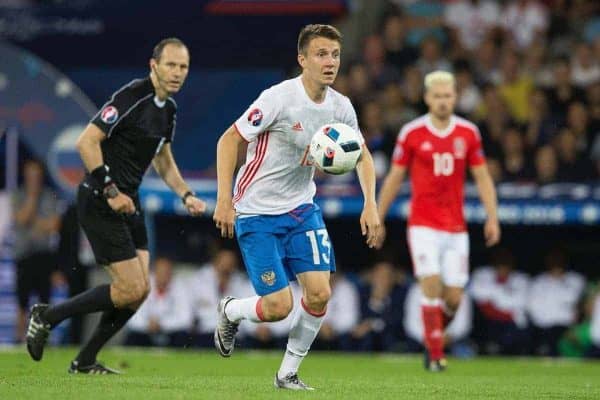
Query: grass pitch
190,374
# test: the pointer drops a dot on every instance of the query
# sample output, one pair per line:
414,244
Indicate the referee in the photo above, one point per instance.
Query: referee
134,128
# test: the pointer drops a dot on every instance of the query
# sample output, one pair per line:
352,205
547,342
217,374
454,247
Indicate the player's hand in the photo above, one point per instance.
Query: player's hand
370,224
491,231
195,206
122,204
381,237
224,217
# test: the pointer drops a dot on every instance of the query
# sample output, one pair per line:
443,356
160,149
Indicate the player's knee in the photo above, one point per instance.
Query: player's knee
278,309
317,300
134,293
453,301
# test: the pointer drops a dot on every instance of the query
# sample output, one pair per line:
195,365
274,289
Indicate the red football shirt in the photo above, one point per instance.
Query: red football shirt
437,162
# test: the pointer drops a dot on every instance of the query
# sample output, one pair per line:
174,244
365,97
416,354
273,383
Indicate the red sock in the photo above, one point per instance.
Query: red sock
434,331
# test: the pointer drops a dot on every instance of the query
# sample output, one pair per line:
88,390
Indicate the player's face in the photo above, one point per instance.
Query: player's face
441,98
172,68
321,61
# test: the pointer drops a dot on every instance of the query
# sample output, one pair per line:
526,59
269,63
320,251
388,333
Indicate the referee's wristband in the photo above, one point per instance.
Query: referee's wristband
101,177
186,195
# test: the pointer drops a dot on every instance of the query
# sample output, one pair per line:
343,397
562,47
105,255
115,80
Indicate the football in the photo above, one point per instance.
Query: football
335,148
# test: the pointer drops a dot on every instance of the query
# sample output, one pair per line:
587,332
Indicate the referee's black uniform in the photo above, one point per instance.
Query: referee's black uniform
136,124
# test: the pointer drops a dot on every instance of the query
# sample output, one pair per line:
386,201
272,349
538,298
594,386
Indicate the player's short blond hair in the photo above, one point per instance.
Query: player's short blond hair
436,77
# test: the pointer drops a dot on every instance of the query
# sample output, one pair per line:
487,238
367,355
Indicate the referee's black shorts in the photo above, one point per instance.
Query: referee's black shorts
114,237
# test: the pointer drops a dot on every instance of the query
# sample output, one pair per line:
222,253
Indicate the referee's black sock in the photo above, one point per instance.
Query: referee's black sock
110,323
93,300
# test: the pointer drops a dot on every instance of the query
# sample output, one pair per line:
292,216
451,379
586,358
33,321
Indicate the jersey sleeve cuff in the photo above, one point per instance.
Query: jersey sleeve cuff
240,132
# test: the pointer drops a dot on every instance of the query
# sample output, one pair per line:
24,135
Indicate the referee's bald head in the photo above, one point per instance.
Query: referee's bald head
160,46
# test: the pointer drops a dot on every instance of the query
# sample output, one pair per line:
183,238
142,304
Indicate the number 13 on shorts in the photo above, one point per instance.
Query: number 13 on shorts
321,246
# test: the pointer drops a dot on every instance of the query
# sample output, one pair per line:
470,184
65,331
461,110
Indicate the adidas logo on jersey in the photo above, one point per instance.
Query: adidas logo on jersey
426,146
298,126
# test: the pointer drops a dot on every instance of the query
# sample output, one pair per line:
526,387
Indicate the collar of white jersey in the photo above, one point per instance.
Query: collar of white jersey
440,133
306,96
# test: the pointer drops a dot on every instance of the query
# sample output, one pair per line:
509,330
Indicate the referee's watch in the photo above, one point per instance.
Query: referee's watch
111,191
186,195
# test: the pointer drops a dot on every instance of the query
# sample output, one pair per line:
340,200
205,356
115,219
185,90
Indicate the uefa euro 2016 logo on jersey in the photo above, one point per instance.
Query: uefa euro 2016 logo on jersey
255,117
460,148
268,278
109,115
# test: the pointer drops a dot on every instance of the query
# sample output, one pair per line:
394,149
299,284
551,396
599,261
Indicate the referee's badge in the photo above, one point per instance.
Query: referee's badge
268,278
109,115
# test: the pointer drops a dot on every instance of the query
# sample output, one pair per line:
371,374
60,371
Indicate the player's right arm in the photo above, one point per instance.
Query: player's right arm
88,145
227,155
389,190
393,180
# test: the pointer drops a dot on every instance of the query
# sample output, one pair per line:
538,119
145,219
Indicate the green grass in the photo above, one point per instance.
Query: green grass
249,375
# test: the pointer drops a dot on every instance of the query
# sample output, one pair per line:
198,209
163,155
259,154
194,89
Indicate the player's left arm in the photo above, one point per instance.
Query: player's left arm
165,166
487,194
369,218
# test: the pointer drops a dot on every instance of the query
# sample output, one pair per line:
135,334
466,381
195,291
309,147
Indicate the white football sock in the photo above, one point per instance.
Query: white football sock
246,308
303,331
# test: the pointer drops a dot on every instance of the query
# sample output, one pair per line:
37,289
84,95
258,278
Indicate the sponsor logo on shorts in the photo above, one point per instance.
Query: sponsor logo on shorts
268,278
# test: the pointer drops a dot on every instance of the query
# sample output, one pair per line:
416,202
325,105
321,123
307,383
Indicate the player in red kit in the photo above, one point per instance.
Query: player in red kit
437,148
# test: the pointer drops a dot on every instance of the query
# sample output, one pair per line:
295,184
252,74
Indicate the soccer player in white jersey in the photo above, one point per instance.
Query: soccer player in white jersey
280,230
437,148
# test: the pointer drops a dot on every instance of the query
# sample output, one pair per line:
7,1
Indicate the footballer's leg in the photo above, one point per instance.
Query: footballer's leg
424,246
273,302
455,272
111,322
304,328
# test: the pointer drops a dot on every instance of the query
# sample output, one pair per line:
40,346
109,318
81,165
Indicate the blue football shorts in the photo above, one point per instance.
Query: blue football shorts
276,248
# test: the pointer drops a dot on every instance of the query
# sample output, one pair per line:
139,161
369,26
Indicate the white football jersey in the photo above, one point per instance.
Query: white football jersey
277,176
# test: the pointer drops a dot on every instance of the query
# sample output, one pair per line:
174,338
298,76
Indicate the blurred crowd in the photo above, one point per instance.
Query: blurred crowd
504,312
528,73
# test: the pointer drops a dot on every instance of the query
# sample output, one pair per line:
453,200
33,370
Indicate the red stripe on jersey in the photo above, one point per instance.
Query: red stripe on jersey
250,165
261,156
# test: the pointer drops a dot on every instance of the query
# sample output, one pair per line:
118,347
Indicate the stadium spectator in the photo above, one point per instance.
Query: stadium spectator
380,72
221,277
377,138
165,318
572,166
395,112
455,334
469,96
431,57
37,222
541,125
471,21
382,299
515,87
578,122
397,52
546,165
585,69
595,328
500,295
562,92
515,162
524,22
577,340
342,316
551,315
412,87
486,63
422,18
